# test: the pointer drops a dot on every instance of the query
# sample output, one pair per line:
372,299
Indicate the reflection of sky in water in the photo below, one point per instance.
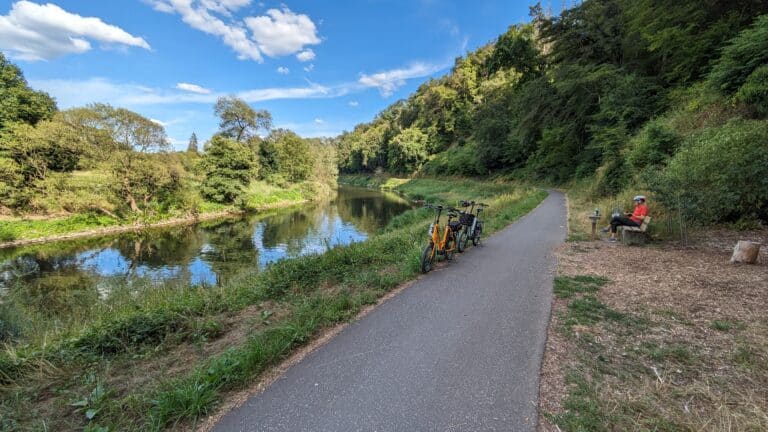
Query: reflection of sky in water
204,254
332,231
110,263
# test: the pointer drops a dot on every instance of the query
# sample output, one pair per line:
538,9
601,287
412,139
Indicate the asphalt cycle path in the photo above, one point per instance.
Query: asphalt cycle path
459,350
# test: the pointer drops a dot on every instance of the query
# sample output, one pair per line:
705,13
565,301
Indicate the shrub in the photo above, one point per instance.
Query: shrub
408,150
719,175
653,146
462,161
744,53
754,92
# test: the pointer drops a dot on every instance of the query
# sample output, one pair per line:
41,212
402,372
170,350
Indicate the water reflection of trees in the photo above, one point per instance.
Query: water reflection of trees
369,210
229,248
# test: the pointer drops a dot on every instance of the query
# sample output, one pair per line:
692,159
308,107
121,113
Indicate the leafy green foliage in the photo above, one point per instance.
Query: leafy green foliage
18,102
653,146
754,92
228,166
719,175
740,58
291,156
408,150
238,120
458,161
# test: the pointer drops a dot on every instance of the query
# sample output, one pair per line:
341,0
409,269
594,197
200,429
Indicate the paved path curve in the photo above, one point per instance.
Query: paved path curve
459,350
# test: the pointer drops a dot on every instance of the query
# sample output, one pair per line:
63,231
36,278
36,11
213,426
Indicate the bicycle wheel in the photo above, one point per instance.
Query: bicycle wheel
450,246
463,240
427,258
477,233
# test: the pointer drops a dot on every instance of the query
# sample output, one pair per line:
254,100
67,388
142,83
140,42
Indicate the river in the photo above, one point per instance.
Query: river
59,275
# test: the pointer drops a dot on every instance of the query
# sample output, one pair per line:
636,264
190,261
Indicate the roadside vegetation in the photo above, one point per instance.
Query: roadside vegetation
157,358
98,166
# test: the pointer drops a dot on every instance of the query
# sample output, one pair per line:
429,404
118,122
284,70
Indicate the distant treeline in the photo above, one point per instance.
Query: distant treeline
665,96
111,160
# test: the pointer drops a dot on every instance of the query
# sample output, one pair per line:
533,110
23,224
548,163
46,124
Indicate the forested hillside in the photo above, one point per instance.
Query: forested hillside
109,164
665,96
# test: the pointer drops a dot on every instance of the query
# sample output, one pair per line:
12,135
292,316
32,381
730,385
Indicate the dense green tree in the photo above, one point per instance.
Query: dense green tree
290,156
743,54
408,150
193,147
228,167
132,144
18,102
515,49
237,120
29,153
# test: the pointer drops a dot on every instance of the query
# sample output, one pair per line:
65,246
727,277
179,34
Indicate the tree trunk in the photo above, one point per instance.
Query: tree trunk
745,252
132,202
105,211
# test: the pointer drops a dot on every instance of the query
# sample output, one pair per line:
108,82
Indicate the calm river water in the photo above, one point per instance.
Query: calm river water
207,253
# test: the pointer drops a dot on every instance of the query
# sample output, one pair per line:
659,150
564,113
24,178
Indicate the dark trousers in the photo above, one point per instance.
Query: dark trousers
618,221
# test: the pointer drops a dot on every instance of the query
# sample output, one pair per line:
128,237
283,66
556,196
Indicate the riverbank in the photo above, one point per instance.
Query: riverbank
260,197
662,337
166,357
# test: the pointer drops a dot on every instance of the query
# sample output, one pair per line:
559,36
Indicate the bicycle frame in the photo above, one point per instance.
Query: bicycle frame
437,241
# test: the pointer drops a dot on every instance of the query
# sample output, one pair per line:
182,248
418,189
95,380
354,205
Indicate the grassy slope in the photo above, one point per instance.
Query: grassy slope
279,309
260,196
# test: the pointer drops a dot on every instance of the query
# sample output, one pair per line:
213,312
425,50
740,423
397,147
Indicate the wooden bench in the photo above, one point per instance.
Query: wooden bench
634,235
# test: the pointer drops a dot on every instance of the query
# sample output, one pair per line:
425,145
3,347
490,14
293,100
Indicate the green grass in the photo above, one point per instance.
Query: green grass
17,229
566,287
140,325
260,195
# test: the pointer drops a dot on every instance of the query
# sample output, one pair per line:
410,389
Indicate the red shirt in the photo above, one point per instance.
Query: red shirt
641,211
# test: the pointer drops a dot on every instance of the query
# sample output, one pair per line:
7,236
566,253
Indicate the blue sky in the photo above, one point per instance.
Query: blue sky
320,67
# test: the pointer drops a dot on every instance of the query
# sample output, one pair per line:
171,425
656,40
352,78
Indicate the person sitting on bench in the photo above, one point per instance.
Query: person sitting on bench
635,219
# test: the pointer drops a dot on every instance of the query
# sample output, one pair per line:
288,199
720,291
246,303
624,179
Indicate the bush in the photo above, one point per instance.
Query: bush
408,150
461,161
653,146
744,53
719,175
754,92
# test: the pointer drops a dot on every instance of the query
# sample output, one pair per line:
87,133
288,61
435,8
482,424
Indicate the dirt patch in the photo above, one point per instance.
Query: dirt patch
699,360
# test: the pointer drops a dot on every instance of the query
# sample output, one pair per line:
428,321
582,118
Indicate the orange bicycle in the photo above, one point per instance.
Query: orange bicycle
444,245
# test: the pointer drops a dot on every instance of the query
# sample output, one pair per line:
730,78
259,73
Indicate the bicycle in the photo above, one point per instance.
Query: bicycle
445,245
472,224
477,230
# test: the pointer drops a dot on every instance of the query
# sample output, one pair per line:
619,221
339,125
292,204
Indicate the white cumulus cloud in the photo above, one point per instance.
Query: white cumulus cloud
283,70
194,88
389,81
35,32
306,55
353,103
201,15
278,33
282,32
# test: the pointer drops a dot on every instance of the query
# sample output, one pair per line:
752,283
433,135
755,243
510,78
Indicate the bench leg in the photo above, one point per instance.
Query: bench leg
631,238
